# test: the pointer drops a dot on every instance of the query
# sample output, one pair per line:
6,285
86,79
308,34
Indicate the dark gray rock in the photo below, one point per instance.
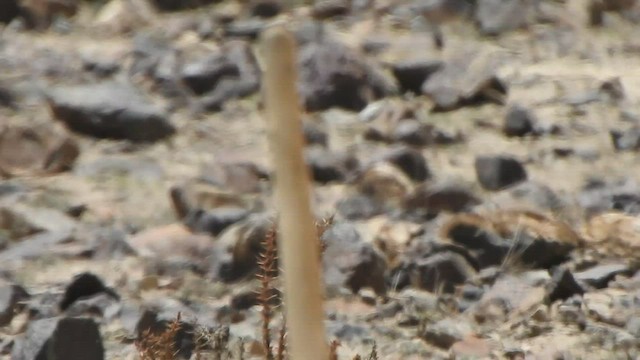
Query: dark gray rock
11,302
412,74
563,285
265,8
214,221
599,196
487,247
332,75
499,172
9,10
600,275
314,134
246,29
519,121
446,332
442,272
177,5
628,140
60,338
350,262
109,110
435,198
494,17
245,83
326,9
84,285
414,133
203,75
410,161
327,166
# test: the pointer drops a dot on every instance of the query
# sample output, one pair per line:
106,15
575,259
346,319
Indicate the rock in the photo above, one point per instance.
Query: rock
7,97
247,29
563,285
628,140
447,332
495,173
111,243
175,244
600,275
326,9
412,74
265,8
486,246
176,5
414,133
109,110
314,134
441,272
384,182
11,298
9,10
410,161
633,326
615,234
519,121
439,197
246,83
471,347
511,296
238,177
242,244
82,286
327,166
35,246
41,14
530,195
60,338
214,221
469,78
101,304
527,237
19,221
359,206
600,197
612,90
31,151
494,17
332,75
62,156
350,262
203,75
149,51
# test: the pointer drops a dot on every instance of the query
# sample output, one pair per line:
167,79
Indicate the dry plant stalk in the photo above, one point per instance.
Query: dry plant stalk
297,247
159,346
266,274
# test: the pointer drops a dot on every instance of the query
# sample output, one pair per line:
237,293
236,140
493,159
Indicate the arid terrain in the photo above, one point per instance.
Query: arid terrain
476,180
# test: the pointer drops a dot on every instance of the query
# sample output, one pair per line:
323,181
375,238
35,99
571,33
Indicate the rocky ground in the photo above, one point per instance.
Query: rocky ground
483,185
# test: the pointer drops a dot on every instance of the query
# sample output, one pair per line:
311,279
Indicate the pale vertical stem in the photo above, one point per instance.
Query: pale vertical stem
297,238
